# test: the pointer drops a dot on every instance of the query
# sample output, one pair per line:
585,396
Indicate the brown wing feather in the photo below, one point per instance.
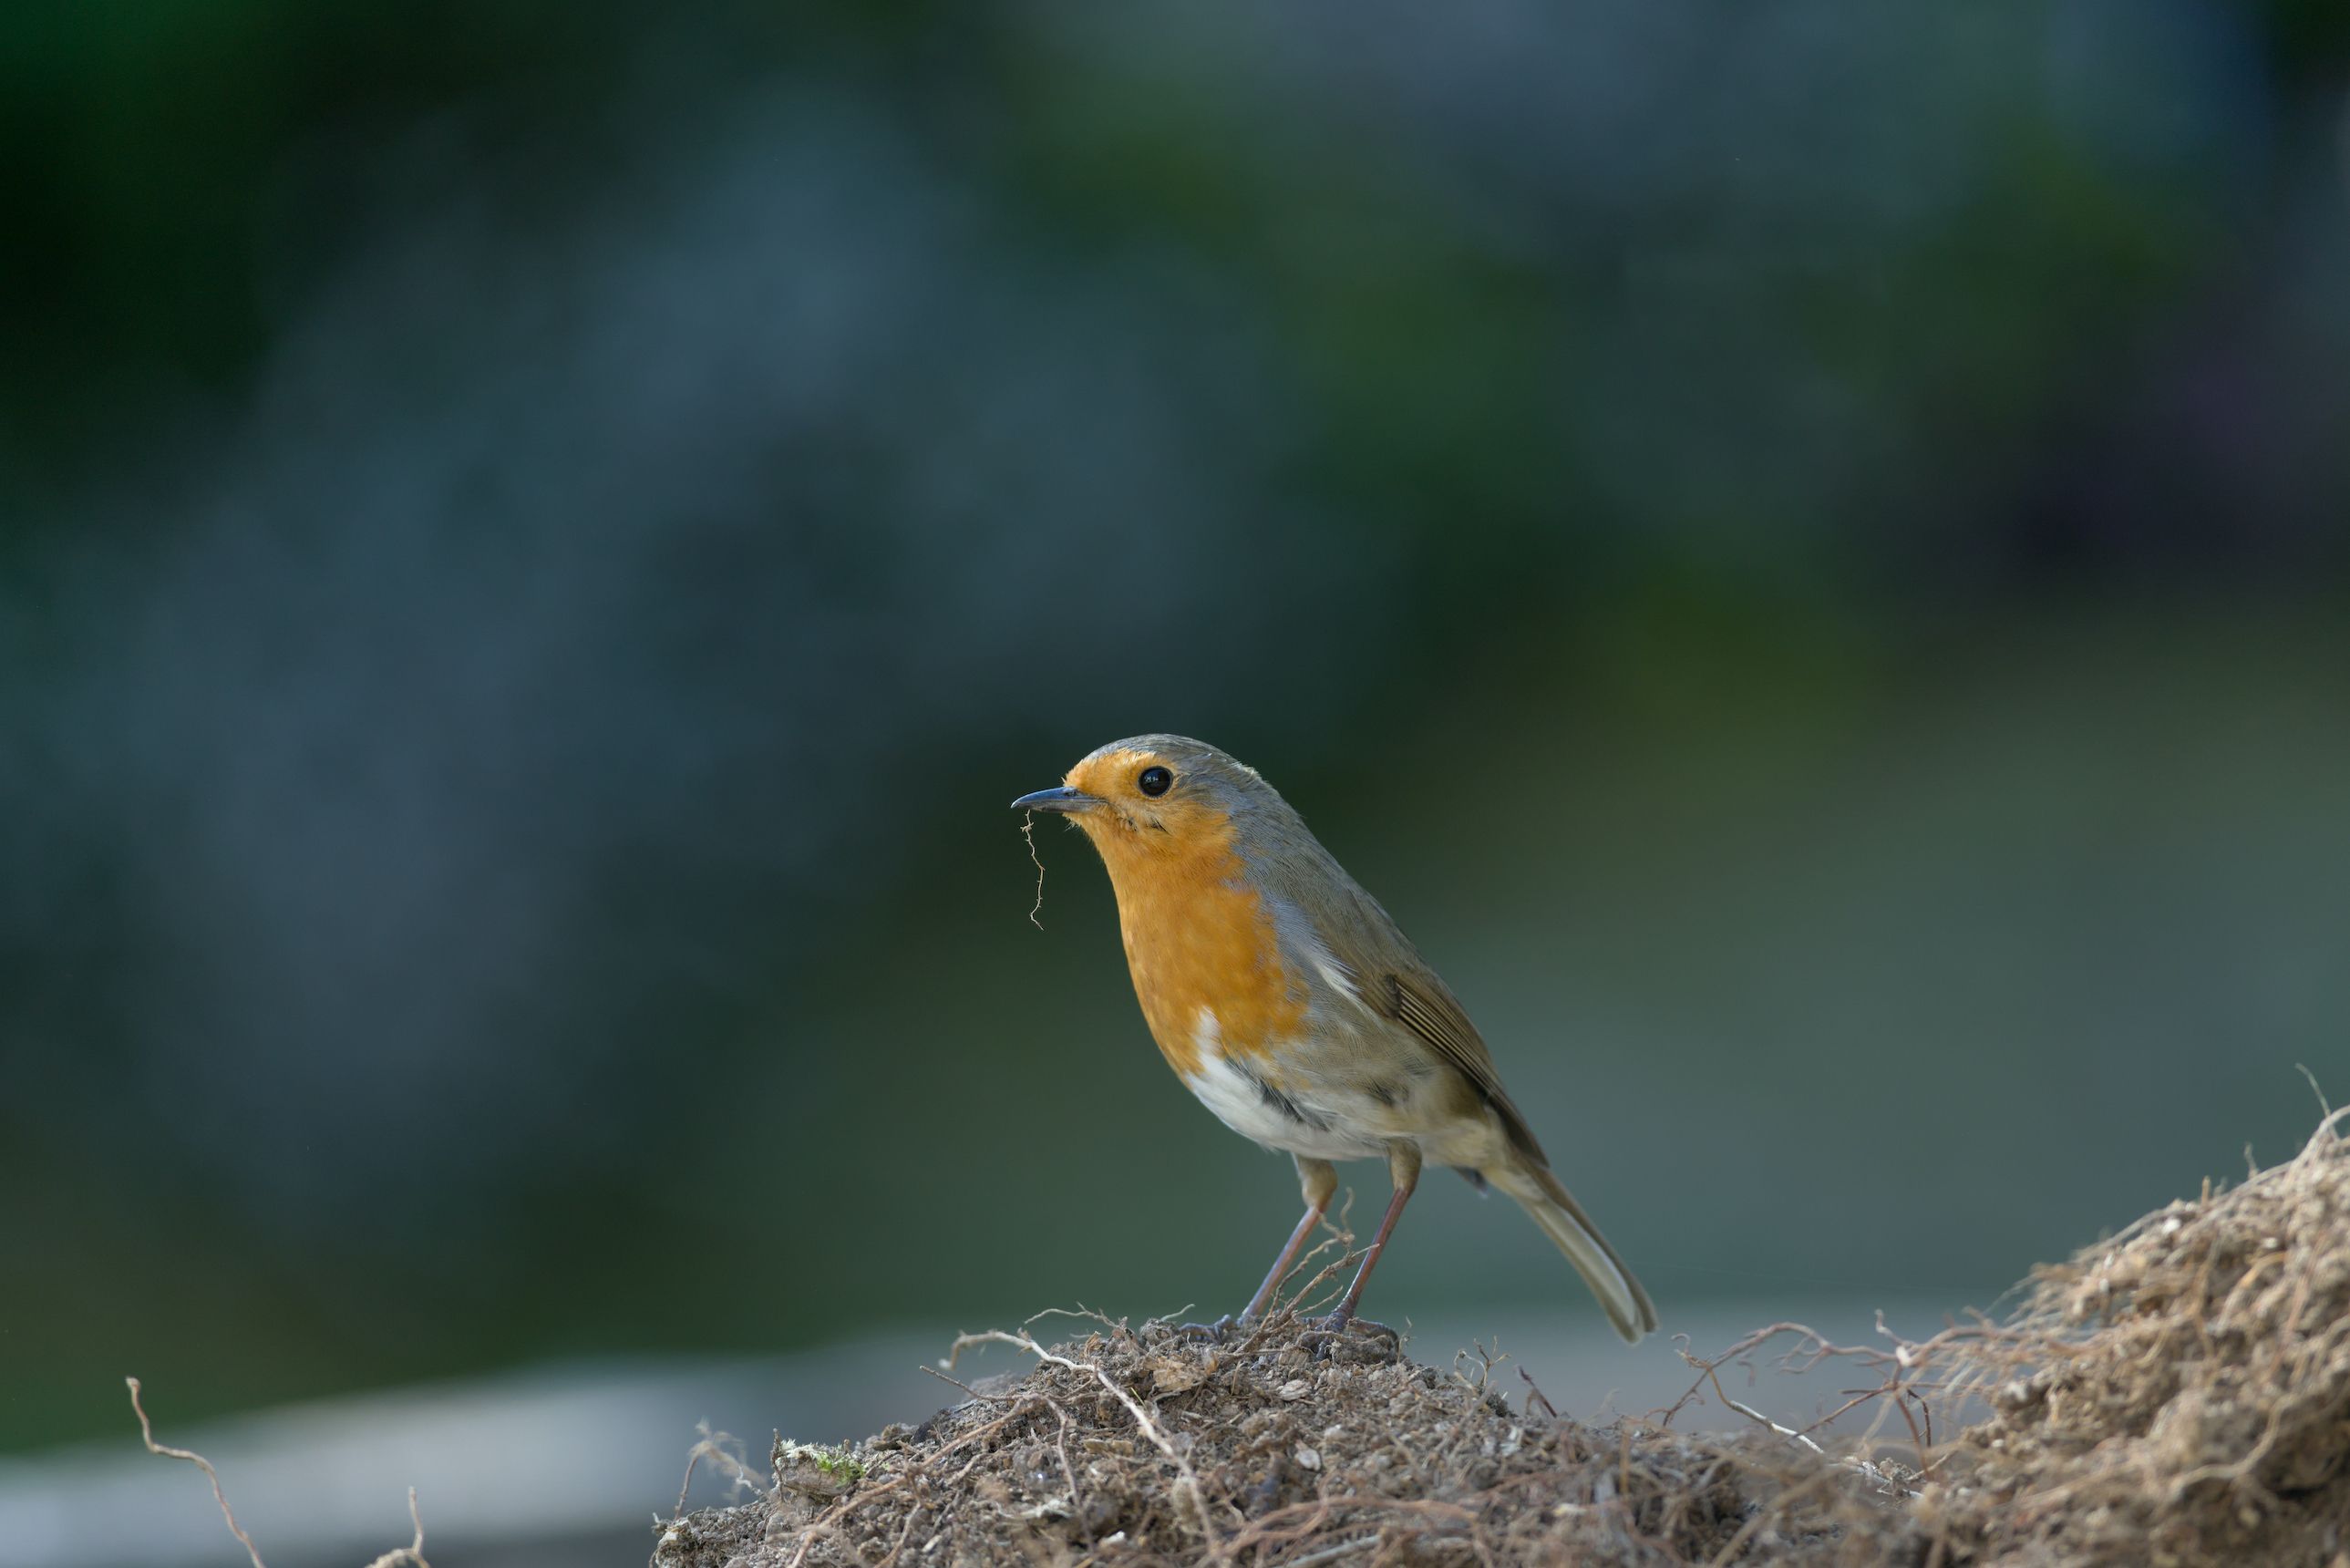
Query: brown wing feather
1424,1007
1349,925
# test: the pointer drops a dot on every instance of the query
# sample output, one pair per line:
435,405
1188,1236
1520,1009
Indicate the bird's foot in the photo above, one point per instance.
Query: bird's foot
1211,1333
1366,1340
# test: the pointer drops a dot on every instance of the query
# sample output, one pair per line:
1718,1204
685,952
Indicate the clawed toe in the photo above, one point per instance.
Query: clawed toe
1212,1332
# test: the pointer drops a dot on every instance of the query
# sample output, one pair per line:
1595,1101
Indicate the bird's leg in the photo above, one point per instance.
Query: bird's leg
1403,1170
1317,1180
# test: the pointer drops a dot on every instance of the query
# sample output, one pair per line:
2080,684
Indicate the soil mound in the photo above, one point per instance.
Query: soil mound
2178,1395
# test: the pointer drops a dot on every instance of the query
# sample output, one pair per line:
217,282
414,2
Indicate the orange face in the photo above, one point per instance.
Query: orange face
1199,942
1141,807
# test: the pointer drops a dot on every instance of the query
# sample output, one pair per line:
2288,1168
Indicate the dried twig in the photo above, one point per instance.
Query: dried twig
957,1382
409,1556
147,1435
1028,832
413,1555
1187,1483
714,1448
1747,1531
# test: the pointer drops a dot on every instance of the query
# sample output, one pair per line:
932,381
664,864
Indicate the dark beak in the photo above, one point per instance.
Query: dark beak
1067,801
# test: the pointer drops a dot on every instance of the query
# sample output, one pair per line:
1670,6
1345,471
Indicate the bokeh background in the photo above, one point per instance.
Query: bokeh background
1799,548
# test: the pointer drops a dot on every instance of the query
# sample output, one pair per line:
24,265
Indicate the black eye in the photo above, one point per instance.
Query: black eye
1155,780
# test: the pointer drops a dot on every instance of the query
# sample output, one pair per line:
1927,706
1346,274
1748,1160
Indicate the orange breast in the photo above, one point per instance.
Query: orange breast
1197,936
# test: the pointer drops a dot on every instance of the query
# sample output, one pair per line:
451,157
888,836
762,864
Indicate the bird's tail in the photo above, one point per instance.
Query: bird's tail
1562,1219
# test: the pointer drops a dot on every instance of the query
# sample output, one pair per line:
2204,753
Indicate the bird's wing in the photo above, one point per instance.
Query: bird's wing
1393,980
1422,1003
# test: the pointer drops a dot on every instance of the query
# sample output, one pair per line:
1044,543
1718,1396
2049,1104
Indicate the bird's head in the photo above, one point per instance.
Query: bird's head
1154,795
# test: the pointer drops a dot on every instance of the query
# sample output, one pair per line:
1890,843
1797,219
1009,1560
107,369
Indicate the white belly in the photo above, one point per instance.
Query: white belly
1287,1116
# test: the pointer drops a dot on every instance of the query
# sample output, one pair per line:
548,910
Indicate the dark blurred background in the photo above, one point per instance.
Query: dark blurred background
1799,548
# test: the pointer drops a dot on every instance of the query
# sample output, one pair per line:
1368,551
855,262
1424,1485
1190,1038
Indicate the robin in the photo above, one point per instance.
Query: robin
1287,1001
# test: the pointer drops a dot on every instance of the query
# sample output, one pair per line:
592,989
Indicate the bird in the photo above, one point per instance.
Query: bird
1292,1007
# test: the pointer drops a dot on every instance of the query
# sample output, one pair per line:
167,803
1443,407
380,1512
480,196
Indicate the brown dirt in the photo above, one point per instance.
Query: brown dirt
2178,1394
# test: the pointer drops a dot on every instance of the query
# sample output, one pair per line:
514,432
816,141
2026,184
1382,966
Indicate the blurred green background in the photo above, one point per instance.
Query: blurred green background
1800,548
